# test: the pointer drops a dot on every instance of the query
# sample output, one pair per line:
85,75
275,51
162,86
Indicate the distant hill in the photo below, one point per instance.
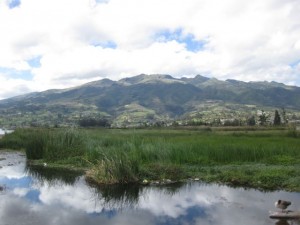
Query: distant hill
147,98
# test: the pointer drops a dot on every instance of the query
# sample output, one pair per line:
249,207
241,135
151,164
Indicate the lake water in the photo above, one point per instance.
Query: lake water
41,196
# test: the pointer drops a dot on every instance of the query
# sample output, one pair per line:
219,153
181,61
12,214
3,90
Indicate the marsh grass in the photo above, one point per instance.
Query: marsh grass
35,144
15,140
163,146
265,177
113,167
63,144
48,144
125,156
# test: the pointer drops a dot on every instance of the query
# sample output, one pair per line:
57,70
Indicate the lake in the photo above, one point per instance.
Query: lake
38,195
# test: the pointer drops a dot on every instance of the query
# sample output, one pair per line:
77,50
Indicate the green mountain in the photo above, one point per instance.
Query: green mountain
148,99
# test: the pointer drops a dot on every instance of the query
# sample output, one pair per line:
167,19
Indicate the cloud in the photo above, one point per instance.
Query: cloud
192,203
13,87
65,43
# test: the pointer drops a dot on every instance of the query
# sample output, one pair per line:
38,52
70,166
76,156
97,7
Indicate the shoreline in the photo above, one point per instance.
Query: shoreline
236,180
202,175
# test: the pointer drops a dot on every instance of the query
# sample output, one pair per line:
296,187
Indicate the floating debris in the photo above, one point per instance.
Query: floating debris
285,215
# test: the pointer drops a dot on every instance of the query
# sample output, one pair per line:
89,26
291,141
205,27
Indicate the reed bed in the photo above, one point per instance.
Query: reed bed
124,156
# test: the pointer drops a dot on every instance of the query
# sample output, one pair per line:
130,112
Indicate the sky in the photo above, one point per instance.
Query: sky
46,44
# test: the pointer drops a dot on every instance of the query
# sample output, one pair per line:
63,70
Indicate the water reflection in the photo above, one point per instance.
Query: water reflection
41,196
52,175
282,222
129,196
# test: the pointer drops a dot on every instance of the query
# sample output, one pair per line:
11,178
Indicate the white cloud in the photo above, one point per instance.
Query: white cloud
13,87
85,40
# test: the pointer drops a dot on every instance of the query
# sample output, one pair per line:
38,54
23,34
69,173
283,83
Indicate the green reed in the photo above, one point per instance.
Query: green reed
124,156
114,166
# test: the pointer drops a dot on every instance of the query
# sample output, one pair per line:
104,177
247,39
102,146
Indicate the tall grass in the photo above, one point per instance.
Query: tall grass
196,148
48,144
65,143
123,156
35,144
114,166
15,140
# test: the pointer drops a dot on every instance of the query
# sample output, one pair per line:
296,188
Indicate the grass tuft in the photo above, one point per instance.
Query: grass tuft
114,168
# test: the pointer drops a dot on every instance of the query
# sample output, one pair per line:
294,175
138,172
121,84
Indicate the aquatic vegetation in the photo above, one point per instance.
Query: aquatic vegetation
114,168
128,155
14,140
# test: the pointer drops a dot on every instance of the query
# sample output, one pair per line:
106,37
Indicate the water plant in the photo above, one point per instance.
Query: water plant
114,168
126,156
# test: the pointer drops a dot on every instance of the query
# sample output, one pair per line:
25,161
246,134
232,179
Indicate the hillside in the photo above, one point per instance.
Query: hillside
148,99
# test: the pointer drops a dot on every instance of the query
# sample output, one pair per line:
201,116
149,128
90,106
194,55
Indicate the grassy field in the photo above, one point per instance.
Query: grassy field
268,159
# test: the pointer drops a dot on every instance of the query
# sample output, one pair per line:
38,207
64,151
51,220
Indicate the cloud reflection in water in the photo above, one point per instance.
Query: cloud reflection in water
43,198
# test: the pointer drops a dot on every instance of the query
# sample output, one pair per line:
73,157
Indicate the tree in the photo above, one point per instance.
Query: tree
92,122
277,119
251,121
284,119
263,118
234,122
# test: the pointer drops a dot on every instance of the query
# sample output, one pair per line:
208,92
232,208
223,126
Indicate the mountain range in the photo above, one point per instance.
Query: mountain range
148,98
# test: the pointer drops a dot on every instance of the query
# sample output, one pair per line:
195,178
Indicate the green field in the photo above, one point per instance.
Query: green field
267,159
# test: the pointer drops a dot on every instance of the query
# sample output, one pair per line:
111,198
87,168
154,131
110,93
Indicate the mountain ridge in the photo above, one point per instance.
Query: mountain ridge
145,98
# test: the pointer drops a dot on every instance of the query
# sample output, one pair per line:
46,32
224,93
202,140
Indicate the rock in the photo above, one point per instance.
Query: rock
166,181
145,181
155,182
1,188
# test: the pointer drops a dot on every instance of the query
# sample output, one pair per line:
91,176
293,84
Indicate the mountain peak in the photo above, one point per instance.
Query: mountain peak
99,83
144,78
197,80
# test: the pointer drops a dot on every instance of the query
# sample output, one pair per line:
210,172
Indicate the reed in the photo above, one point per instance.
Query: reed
66,143
192,147
14,140
113,167
125,156
35,144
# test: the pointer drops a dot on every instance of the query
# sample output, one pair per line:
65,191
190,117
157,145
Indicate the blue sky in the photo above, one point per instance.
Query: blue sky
13,3
63,43
188,40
